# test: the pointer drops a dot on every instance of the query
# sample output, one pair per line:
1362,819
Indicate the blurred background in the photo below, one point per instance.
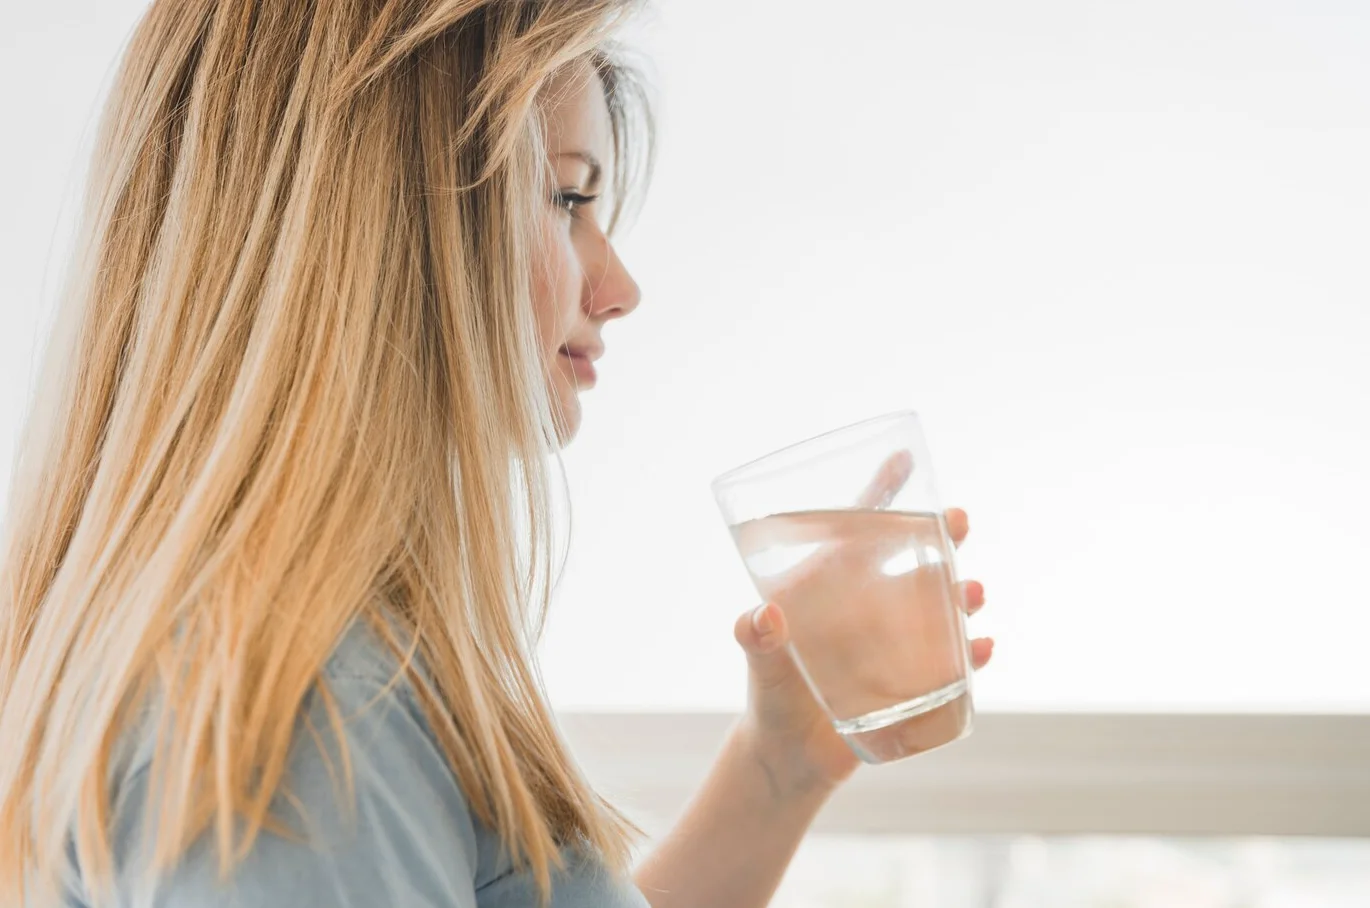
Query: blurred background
1114,254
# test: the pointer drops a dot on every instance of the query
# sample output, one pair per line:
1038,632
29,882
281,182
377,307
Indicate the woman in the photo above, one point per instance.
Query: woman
279,543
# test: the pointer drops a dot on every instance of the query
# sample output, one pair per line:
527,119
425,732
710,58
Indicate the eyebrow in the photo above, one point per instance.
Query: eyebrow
596,171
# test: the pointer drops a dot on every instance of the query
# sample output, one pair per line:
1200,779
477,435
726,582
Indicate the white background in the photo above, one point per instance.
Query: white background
1113,253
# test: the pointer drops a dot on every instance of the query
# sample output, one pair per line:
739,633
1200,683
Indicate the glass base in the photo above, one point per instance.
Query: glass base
912,727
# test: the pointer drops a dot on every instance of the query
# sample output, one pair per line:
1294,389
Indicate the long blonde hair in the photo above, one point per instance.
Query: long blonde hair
295,383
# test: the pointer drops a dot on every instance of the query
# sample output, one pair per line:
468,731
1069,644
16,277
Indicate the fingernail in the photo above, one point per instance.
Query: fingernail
761,620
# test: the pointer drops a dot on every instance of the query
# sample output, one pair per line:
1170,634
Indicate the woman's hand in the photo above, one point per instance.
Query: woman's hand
784,726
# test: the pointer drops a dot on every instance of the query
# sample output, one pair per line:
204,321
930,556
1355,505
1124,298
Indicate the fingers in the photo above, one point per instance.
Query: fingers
981,648
761,630
889,479
762,634
973,595
881,490
958,524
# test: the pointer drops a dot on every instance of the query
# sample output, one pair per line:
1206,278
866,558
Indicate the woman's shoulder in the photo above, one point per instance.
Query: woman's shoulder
364,665
405,835
366,655
362,670
368,811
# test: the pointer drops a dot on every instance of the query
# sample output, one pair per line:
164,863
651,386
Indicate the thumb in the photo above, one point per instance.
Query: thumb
762,634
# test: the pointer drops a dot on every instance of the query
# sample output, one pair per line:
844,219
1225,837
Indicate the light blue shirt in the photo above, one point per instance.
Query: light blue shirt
414,843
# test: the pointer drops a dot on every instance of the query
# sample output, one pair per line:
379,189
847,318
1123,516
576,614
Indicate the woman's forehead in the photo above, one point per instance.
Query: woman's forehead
577,114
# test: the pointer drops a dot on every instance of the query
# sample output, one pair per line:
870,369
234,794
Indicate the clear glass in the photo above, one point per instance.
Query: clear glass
845,534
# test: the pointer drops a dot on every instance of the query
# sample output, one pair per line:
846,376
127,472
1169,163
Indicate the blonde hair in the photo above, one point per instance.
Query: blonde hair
295,383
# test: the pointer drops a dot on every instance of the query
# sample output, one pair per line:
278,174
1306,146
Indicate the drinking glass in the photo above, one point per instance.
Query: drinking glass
843,532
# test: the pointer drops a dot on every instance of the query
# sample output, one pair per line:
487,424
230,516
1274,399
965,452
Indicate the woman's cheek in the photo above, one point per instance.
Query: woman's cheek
555,297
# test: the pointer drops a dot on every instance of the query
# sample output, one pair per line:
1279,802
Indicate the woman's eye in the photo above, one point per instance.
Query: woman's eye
569,201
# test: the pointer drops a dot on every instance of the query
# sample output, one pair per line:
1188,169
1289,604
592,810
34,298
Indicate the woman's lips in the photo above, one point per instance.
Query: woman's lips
581,366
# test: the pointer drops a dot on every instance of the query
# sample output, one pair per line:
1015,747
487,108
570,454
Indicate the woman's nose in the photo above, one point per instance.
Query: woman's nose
610,290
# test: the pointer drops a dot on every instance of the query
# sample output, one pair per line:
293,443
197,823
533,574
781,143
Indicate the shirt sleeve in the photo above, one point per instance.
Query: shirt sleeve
410,843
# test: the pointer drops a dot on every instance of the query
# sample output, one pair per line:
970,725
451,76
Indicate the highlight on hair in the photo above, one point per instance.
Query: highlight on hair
295,383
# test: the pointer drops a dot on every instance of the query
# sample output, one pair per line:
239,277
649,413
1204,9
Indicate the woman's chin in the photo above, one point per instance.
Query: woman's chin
568,417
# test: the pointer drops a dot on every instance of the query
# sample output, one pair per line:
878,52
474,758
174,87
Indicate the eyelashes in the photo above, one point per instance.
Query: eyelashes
568,201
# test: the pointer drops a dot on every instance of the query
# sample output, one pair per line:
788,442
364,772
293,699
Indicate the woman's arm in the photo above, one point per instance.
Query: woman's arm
737,835
777,768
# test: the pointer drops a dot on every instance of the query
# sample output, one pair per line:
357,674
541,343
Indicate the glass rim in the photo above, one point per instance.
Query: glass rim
751,468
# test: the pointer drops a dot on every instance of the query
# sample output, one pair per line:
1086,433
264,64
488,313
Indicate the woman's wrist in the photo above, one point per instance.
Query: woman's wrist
738,833
786,776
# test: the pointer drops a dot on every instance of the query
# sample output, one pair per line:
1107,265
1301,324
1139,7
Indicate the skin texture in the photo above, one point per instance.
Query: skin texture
782,759
582,285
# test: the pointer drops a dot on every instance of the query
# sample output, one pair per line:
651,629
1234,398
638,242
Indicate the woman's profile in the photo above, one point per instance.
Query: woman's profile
279,541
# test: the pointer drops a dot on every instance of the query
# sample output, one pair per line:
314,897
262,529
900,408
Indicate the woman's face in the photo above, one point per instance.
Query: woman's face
582,284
